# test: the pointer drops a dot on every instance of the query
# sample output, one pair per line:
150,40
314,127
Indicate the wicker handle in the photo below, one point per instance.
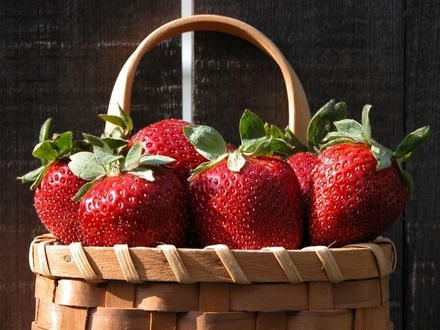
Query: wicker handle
299,113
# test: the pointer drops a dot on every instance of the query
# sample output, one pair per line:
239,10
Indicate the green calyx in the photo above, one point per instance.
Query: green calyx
257,140
109,157
105,161
351,131
322,123
50,150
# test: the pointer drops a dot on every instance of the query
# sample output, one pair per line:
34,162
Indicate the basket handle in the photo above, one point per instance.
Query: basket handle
299,113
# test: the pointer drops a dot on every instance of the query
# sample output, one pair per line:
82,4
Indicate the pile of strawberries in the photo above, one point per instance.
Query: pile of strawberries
177,183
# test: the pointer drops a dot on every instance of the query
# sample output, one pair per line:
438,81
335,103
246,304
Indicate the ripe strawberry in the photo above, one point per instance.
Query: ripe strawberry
246,199
305,158
132,210
256,207
302,164
130,200
55,185
54,205
166,138
358,187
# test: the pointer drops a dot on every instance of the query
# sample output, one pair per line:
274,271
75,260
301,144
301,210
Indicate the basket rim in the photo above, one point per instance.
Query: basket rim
166,263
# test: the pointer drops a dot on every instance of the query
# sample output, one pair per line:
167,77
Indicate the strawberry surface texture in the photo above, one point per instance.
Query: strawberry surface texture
54,205
352,201
127,209
166,138
259,206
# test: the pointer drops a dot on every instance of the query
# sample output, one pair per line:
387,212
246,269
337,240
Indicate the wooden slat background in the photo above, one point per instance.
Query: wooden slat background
60,60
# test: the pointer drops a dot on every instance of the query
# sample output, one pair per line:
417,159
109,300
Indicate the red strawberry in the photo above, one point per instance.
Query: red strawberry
303,164
246,199
256,207
54,205
304,160
56,185
166,138
132,210
130,200
358,187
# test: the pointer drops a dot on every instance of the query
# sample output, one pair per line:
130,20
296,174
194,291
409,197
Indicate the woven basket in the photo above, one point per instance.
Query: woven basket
215,288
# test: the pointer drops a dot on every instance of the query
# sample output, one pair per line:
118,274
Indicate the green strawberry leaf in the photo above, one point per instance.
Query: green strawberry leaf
80,145
251,127
84,188
85,165
45,130
323,121
94,140
383,156
147,174
263,148
251,146
45,151
407,179
123,124
133,158
115,120
293,140
63,143
32,175
207,165
114,143
351,129
236,161
206,140
334,140
274,131
282,147
366,122
411,142
156,160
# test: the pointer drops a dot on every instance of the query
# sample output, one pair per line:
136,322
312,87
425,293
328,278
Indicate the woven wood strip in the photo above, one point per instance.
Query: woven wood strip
328,263
57,317
273,321
373,318
288,267
79,256
126,263
118,318
230,263
211,297
384,264
167,297
176,264
203,265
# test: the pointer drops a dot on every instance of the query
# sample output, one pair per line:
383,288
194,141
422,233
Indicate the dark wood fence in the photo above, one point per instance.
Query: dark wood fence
59,59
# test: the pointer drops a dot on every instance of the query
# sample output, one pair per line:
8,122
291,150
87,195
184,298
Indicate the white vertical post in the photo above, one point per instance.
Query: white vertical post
187,60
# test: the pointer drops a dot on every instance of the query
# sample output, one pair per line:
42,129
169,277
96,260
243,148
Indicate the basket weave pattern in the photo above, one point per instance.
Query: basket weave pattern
210,288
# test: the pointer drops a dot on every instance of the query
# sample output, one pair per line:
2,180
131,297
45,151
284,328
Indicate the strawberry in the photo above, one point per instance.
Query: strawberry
54,205
248,198
358,187
304,159
132,210
132,200
166,138
302,164
55,185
